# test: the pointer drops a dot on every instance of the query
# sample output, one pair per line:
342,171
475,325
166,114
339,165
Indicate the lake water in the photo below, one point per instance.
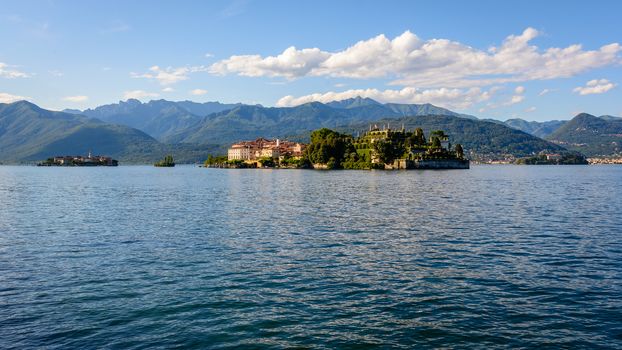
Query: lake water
143,257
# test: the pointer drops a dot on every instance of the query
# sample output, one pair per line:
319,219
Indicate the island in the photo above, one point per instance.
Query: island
89,160
378,148
167,162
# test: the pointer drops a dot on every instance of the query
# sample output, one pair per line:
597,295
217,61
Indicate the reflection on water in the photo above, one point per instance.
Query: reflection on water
138,257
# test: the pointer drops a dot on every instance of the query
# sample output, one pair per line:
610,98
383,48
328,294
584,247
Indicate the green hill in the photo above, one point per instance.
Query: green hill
478,136
29,133
590,135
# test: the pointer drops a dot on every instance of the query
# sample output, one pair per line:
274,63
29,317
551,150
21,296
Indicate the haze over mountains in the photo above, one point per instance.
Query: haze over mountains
134,131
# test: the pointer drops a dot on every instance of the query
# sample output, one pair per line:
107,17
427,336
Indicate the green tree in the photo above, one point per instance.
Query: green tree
387,151
418,137
459,151
267,162
438,133
436,142
327,144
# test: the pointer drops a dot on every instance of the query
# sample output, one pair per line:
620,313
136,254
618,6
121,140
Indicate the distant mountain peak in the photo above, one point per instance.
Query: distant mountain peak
583,114
24,103
357,101
131,101
71,111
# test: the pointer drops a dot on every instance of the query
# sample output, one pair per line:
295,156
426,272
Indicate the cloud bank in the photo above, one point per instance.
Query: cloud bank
411,61
449,98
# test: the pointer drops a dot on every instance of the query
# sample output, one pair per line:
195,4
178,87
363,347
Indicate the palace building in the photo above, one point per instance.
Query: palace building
264,148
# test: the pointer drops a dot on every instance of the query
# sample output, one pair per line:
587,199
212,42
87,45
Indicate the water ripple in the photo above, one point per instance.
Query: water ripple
136,257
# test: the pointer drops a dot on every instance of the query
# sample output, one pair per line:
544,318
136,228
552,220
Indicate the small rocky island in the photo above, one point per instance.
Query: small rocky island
376,149
89,160
167,162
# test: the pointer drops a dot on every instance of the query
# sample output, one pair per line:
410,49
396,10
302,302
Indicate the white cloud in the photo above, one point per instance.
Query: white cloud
138,94
169,75
168,89
595,86
198,92
515,99
7,71
518,96
340,85
292,63
209,55
56,73
450,98
8,98
530,109
411,61
77,99
544,92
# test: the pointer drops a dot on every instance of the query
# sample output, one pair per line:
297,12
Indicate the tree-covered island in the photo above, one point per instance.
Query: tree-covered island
375,149
89,160
167,162
384,149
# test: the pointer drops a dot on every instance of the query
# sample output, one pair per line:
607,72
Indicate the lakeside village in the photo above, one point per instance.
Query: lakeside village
378,148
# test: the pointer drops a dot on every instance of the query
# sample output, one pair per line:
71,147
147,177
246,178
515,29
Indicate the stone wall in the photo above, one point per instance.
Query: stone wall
428,164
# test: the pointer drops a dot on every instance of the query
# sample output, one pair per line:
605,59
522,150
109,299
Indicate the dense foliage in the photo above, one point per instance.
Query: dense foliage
168,161
329,147
335,150
215,160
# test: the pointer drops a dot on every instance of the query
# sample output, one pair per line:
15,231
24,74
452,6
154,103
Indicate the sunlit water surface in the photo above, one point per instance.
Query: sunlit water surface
143,257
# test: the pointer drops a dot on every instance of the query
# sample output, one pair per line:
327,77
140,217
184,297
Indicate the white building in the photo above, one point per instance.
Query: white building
239,152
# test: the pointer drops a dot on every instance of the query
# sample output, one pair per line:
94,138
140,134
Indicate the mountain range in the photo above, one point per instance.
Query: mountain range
134,131
29,133
158,118
585,133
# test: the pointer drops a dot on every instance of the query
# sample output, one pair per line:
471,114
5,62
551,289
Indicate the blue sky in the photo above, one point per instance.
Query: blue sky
537,60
